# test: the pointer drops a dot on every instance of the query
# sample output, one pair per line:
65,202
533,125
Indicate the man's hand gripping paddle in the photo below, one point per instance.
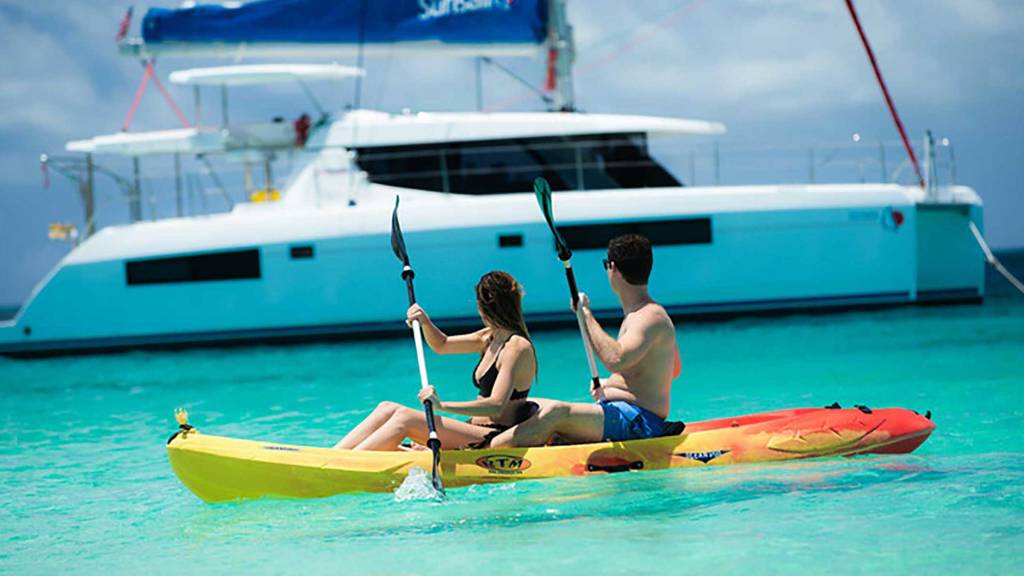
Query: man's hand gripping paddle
433,442
543,191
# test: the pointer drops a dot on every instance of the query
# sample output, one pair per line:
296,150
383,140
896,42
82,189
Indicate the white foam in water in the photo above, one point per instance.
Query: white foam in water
417,486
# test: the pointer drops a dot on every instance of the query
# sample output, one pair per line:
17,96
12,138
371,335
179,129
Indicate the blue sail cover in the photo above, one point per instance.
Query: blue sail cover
458,23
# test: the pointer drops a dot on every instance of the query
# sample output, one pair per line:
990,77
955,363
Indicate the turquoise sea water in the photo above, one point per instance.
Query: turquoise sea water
87,488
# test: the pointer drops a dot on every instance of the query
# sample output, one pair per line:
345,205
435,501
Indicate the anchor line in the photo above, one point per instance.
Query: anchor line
991,259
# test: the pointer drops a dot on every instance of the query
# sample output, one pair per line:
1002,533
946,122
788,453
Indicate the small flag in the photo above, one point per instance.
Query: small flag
126,22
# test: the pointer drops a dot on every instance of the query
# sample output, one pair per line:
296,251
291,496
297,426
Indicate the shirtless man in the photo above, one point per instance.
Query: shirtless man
634,401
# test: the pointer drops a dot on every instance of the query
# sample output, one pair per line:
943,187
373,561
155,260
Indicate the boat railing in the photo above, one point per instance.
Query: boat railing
707,163
183,186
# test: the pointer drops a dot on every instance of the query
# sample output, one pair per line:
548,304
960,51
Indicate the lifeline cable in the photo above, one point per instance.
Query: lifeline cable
991,258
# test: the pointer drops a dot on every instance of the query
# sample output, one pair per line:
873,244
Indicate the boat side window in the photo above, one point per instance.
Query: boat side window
588,162
660,232
233,265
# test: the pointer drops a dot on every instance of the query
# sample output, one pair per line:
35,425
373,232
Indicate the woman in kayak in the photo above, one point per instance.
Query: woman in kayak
503,377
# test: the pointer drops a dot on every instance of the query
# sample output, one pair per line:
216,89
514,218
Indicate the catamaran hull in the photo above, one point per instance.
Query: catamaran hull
266,276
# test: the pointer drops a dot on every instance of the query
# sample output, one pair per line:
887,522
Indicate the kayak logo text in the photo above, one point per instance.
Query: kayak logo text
503,464
703,457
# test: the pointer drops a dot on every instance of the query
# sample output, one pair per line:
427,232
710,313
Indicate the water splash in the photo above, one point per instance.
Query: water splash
417,486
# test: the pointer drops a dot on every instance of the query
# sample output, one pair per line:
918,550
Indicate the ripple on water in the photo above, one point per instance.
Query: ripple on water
87,487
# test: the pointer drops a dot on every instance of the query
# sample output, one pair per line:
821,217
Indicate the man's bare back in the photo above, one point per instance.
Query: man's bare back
648,381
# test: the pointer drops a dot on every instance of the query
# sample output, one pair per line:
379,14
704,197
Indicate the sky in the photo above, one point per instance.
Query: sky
782,75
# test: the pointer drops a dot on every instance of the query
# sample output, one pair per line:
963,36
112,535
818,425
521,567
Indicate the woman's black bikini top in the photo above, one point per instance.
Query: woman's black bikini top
486,382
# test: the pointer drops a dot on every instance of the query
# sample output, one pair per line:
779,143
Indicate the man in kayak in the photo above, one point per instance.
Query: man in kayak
633,402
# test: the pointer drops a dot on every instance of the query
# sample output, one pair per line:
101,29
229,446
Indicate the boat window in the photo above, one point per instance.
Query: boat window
234,265
659,232
589,162
510,241
301,252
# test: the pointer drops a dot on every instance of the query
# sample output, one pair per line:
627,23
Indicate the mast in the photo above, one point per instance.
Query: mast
562,53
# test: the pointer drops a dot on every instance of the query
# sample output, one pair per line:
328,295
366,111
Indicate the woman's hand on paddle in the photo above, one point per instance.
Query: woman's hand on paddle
415,312
429,393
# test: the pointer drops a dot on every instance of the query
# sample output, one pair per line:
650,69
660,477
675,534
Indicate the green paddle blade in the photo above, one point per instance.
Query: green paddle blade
542,190
397,242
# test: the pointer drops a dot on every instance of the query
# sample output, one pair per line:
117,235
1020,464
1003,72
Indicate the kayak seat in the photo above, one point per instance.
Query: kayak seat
673,428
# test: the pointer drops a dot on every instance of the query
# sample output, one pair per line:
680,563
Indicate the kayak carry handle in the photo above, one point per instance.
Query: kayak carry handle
181,415
613,468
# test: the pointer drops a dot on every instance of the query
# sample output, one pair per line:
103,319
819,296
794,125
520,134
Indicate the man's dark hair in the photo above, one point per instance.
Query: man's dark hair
632,256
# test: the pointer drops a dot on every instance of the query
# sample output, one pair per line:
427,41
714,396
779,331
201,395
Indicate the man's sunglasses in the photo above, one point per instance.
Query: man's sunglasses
607,263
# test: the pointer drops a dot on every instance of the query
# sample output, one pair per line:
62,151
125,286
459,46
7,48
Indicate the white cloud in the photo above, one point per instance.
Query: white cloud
788,57
42,88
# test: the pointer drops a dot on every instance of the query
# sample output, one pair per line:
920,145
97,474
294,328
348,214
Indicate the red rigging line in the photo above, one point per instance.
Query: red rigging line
885,92
170,101
137,99
147,75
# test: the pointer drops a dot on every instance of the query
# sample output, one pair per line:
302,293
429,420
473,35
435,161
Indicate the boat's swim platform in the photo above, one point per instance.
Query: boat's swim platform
218,468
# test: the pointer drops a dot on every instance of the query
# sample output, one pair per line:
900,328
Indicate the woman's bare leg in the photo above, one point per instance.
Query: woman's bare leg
381,414
578,423
409,423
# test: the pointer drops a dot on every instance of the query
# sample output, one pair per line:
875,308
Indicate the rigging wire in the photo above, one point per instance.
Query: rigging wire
635,38
885,92
357,98
149,73
526,83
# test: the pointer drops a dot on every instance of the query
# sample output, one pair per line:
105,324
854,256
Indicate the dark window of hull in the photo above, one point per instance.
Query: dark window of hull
659,232
510,240
235,265
300,252
588,162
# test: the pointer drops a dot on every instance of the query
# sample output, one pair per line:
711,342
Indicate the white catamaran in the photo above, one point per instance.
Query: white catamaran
313,261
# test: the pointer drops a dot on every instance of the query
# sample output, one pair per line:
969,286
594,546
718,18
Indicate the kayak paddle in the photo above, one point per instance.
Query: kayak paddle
433,442
543,191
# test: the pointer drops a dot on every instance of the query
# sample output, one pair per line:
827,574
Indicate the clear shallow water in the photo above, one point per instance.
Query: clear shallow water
87,488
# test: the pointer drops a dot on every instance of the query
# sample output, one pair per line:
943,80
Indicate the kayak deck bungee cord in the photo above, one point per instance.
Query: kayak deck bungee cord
218,468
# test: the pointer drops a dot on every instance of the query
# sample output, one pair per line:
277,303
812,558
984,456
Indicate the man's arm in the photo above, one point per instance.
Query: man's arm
619,355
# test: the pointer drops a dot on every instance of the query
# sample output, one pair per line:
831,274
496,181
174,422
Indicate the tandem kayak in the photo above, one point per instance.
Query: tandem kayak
217,468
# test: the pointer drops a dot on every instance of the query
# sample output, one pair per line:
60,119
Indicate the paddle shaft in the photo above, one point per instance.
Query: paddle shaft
543,191
417,336
570,278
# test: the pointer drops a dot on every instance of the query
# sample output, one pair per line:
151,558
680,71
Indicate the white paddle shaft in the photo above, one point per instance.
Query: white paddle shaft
417,335
586,341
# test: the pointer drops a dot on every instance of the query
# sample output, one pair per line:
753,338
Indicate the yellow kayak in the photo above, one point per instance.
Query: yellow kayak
217,468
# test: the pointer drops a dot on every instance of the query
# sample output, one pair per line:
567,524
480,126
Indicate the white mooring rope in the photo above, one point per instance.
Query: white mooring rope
993,260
